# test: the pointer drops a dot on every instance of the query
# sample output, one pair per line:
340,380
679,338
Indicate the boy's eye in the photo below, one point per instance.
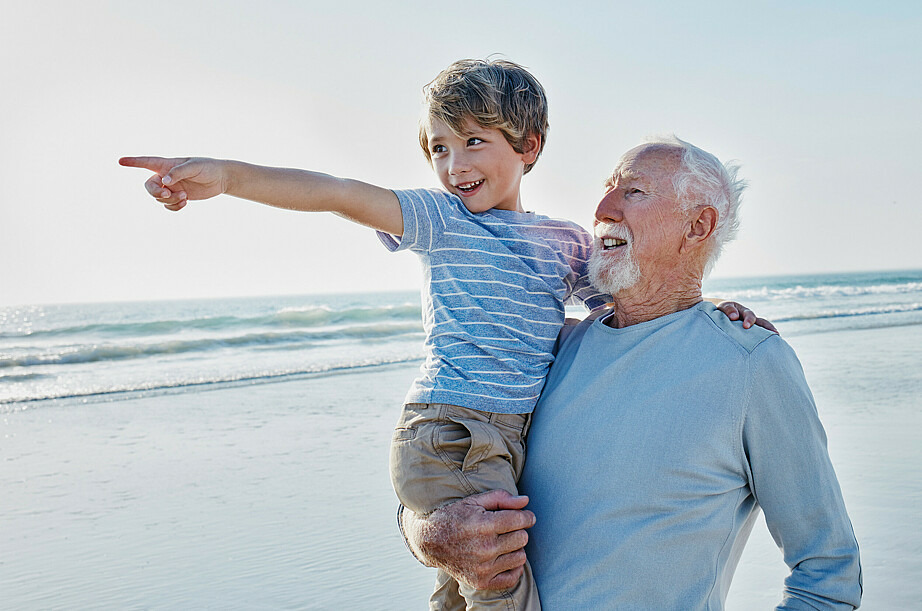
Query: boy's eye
473,141
438,148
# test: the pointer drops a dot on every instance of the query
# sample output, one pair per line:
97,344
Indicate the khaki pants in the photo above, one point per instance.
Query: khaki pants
442,453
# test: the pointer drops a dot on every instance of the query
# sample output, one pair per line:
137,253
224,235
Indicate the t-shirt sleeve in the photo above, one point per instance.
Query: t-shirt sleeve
793,481
579,288
424,219
583,292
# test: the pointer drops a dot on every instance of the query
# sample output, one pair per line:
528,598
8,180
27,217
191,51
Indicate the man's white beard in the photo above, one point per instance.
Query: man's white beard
613,275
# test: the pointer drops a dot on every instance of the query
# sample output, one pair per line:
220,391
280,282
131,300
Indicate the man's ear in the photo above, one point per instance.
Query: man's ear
531,147
703,223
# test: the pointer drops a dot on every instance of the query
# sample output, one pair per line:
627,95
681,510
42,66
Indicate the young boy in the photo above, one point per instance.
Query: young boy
497,279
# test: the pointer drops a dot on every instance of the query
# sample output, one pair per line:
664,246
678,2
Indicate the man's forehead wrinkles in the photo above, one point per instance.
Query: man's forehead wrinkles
631,174
624,174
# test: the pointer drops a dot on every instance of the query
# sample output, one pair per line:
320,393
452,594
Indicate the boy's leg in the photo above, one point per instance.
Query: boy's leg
451,595
442,453
521,597
446,596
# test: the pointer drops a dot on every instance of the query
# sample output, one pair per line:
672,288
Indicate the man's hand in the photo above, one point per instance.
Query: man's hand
478,540
735,311
178,180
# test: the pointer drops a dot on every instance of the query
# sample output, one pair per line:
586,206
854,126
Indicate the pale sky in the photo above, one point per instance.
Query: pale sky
819,103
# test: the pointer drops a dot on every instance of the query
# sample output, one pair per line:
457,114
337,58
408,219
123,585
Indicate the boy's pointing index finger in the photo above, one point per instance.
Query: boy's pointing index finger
161,165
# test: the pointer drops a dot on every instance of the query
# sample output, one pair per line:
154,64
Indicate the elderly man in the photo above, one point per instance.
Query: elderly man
662,429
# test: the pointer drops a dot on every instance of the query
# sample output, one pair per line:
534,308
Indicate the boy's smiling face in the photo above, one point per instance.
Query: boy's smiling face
480,167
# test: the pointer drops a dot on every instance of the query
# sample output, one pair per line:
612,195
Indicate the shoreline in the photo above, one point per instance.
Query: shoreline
130,394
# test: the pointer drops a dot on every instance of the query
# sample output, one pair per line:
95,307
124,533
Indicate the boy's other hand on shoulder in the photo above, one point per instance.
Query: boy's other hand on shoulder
737,311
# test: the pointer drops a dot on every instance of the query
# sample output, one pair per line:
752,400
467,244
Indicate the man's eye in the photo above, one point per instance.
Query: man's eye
473,141
633,191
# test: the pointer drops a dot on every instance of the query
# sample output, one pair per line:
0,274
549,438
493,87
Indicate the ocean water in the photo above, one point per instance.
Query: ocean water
104,350
232,454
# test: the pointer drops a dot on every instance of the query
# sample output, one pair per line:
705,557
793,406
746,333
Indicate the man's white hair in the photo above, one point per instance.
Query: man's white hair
702,180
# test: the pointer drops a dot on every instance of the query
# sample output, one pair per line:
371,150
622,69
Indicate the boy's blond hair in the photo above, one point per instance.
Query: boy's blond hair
494,94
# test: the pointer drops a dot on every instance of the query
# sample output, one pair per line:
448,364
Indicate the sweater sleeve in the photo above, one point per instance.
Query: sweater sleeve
793,481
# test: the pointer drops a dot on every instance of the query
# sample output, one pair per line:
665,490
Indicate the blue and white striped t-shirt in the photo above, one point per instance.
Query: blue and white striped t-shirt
494,289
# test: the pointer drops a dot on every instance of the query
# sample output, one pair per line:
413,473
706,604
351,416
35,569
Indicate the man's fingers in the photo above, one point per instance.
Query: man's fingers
503,572
510,561
506,579
498,499
511,520
510,542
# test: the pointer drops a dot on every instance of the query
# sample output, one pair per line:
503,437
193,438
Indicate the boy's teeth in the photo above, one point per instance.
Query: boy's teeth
470,185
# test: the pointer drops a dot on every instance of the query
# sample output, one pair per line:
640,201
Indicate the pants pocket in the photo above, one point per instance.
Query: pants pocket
469,443
436,460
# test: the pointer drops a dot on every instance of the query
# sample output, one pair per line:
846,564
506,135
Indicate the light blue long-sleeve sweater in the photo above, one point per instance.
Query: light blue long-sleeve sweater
650,453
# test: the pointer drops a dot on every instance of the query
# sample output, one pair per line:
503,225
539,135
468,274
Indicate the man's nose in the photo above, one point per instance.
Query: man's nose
609,210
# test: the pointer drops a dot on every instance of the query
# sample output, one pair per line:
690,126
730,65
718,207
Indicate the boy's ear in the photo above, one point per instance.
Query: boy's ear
531,148
702,224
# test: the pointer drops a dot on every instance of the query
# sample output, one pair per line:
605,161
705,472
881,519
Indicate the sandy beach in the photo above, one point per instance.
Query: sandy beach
276,495
258,497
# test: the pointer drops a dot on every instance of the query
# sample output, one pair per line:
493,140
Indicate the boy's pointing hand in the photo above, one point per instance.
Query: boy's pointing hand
178,180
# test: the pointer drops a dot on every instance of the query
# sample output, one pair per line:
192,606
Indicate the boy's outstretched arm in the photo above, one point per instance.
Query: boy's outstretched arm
177,181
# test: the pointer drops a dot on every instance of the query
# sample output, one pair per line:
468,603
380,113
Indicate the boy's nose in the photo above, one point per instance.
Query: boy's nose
608,210
459,164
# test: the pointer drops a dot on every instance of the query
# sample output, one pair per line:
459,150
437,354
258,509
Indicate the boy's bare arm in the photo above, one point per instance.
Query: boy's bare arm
179,180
